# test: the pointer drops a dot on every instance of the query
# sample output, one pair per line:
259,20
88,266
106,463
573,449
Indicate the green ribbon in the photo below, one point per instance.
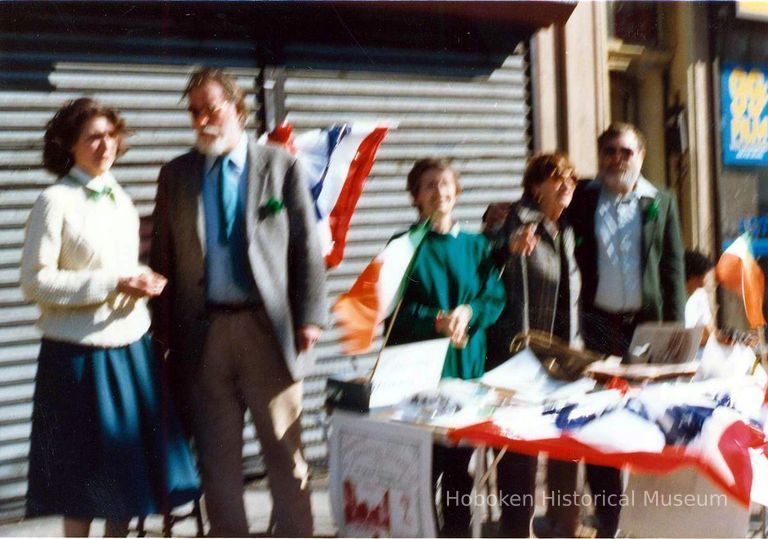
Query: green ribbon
96,194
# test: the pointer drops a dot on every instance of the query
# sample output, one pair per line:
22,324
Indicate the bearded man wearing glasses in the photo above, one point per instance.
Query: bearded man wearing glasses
630,253
235,233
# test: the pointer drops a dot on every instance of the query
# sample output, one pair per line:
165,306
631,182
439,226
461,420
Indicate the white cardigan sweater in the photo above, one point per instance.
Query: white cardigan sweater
77,245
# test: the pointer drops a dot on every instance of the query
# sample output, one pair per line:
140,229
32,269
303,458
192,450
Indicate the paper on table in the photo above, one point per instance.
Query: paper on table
407,369
723,360
526,423
524,374
477,403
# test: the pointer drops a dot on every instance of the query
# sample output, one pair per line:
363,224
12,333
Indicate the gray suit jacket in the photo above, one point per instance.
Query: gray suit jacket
283,251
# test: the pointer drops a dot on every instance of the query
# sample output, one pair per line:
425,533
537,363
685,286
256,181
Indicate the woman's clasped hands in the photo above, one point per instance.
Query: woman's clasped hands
455,324
144,285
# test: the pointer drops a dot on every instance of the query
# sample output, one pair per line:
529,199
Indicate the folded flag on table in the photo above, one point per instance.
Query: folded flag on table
338,159
376,291
714,425
738,271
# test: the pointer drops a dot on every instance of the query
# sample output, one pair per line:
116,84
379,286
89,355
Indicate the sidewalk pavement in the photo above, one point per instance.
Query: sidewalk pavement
257,501
258,505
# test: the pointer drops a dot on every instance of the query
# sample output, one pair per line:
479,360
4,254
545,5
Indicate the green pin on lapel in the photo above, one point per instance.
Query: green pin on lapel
271,207
652,211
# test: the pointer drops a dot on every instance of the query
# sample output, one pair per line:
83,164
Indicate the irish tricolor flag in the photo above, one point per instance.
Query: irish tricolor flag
737,271
376,291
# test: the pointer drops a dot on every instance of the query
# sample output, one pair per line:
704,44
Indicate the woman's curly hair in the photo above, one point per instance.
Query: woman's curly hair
64,129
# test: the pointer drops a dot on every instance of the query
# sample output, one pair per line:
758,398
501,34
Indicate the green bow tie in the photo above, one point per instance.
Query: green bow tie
96,194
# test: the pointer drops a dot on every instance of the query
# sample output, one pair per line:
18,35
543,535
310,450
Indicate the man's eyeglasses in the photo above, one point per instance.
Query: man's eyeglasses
610,151
208,110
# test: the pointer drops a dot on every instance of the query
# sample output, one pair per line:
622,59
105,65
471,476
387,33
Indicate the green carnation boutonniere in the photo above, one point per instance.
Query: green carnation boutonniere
272,206
652,211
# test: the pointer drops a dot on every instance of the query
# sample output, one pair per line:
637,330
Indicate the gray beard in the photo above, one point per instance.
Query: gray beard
623,182
211,149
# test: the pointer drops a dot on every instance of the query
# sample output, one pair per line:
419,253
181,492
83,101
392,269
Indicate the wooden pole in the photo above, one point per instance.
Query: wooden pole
386,337
426,223
763,357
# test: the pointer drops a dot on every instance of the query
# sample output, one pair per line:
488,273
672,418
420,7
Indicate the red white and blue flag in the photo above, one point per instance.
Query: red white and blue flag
338,160
714,425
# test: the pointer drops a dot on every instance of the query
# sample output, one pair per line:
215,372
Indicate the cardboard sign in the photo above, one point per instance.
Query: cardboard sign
380,478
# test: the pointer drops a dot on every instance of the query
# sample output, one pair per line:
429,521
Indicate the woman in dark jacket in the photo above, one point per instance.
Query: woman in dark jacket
535,246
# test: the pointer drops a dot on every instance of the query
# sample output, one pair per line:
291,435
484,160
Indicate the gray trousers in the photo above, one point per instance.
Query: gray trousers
242,367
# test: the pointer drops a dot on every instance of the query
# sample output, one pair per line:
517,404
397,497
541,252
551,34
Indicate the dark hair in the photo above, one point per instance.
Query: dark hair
423,165
616,129
697,264
228,83
543,166
64,129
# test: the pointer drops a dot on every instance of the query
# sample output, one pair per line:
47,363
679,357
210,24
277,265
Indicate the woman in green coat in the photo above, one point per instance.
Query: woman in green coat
453,291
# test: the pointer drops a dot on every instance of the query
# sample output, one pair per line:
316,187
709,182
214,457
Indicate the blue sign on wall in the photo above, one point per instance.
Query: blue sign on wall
744,95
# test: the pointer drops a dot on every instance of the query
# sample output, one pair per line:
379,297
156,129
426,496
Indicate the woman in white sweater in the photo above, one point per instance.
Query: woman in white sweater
101,446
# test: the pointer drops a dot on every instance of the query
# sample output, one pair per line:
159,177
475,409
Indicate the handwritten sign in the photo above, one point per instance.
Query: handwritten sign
380,478
744,94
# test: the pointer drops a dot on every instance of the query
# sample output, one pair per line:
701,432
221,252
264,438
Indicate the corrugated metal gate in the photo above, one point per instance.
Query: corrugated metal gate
482,123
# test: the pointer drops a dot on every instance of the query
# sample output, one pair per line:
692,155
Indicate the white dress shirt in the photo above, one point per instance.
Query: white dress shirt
619,234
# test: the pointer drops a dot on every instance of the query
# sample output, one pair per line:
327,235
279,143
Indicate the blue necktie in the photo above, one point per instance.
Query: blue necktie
227,198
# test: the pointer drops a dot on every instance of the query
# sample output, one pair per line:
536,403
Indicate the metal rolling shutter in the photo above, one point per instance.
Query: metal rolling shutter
481,123
141,77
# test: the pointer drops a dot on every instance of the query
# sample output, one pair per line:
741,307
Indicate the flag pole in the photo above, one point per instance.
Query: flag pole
426,224
386,338
763,357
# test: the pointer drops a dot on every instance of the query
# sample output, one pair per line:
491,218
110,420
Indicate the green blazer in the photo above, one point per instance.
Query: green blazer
663,271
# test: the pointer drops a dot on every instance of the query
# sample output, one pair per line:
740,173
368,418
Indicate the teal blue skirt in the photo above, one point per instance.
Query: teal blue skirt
103,445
